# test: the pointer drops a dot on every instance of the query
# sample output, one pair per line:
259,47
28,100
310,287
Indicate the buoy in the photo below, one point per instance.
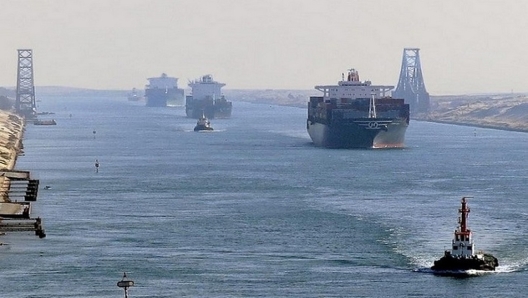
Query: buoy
125,283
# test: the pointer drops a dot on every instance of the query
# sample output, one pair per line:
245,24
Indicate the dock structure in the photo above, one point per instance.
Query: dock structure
23,225
17,188
17,191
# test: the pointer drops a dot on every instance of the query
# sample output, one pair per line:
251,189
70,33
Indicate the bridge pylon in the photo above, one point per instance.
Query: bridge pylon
411,86
25,90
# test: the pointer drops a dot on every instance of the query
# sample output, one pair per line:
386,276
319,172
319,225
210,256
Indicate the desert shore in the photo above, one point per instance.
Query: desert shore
502,111
11,134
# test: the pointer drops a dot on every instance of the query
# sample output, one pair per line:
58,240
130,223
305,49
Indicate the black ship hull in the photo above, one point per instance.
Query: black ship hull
359,133
202,128
449,263
208,108
158,97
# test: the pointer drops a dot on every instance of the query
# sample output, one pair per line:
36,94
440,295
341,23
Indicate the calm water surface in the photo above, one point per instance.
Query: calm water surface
254,210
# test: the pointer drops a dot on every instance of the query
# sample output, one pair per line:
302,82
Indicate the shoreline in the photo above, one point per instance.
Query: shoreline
17,189
12,129
471,124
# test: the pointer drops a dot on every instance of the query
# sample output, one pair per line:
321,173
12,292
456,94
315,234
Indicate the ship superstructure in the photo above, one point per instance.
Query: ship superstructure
207,99
162,91
356,114
462,255
462,244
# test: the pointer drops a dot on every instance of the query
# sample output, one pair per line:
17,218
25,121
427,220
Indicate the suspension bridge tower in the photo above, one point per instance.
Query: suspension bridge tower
25,91
411,86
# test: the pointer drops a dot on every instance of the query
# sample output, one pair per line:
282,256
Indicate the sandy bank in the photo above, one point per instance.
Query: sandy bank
11,133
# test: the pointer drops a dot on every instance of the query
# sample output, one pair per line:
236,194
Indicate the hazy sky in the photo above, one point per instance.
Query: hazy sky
468,46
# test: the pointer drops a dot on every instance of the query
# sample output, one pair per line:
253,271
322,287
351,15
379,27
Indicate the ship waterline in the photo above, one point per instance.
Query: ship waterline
354,135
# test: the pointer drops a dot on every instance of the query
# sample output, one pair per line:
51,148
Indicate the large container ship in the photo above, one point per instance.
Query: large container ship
207,99
162,91
355,114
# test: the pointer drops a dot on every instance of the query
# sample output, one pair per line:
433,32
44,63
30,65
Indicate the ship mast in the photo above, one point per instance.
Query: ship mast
463,242
372,107
464,212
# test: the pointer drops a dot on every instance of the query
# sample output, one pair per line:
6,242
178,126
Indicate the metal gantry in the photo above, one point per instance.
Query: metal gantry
25,91
411,86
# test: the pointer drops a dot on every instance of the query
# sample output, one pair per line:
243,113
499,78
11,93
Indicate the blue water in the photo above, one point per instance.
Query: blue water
254,210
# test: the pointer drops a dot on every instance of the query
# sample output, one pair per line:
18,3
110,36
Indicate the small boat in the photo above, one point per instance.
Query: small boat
134,96
463,256
45,122
203,124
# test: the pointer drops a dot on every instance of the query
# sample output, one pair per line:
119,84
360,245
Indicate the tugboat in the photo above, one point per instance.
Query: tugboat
133,96
203,124
462,256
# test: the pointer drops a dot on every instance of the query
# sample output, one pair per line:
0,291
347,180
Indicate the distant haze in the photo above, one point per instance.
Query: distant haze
466,46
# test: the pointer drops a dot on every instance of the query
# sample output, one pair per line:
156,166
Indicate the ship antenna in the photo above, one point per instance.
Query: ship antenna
372,107
464,211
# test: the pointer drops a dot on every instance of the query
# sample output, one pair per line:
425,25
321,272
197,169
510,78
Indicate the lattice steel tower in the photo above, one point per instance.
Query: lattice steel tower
411,86
25,91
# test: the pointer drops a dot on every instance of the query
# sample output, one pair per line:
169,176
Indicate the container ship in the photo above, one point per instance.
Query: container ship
207,99
162,91
356,114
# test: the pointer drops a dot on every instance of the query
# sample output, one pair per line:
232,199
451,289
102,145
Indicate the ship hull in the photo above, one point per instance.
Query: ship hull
453,264
157,97
359,133
202,128
198,108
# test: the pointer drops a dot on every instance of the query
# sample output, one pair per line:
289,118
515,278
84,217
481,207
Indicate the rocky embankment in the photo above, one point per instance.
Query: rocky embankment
509,112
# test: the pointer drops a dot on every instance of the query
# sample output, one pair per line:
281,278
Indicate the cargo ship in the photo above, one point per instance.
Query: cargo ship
207,99
162,91
463,256
356,114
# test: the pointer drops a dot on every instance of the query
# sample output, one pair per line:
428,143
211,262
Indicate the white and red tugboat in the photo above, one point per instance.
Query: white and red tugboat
462,256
